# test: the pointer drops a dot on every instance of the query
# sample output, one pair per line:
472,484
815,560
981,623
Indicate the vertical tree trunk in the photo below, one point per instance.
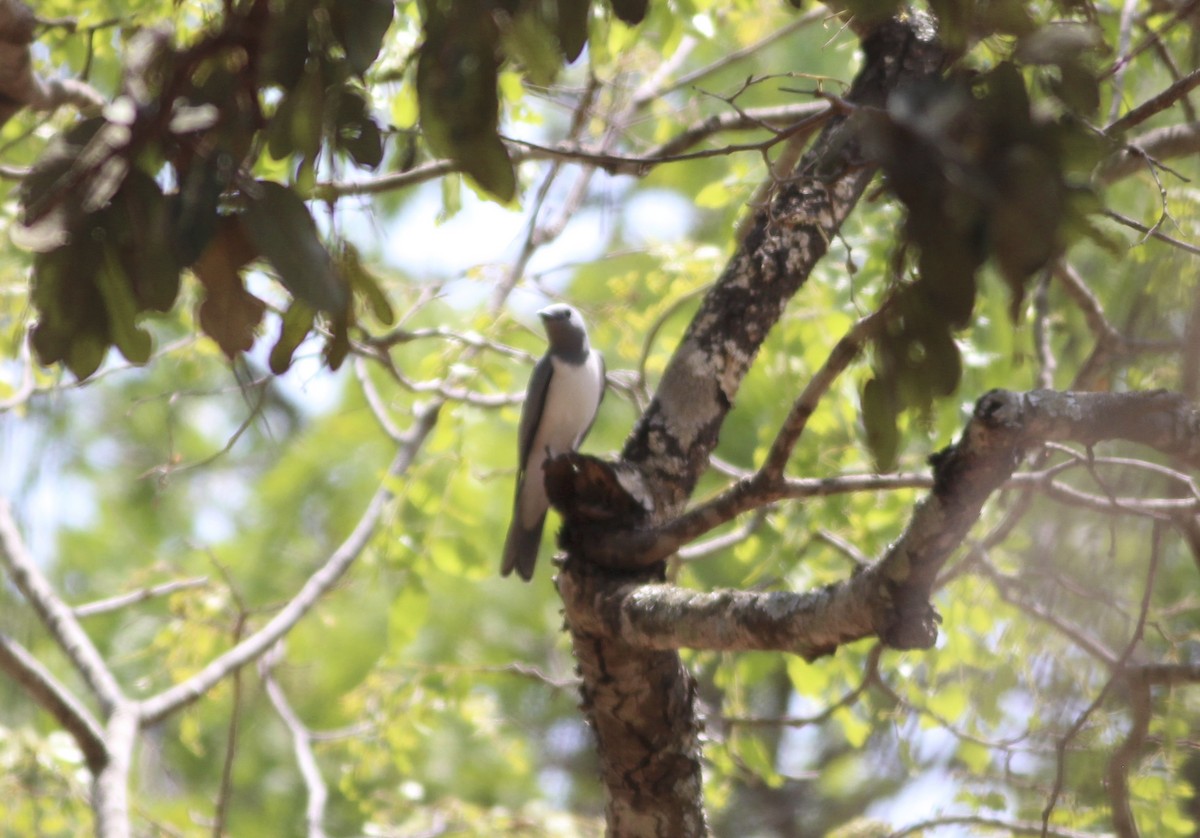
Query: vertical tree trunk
641,703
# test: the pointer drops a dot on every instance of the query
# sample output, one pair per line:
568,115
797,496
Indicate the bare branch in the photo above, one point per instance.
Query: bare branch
374,402
1122,820
654,544
1155,104
55,614
110,788
116,603
1152,232
1125,757
20,86
672,150
49,694
843,352
302,739
1000,824
890,599
165,703
699,550
804,21
225,789
1166,674
1158,144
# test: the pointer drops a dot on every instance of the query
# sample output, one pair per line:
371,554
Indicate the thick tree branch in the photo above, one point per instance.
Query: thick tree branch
49,694
1157,144
1155,104
1126,757
110,788
20,86
890,599
641,702
55,614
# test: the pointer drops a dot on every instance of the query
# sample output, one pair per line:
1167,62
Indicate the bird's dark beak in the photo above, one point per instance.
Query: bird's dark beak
550,313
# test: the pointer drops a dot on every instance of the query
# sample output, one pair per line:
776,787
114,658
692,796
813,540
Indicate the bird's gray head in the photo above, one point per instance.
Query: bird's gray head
566,331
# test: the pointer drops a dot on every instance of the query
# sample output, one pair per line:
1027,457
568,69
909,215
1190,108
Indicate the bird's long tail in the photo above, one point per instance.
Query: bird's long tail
521,548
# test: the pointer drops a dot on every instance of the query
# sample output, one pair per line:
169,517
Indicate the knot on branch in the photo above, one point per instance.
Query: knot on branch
588,490
914,624
604,508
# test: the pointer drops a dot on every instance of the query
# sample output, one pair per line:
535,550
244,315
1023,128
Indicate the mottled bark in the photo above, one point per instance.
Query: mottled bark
640,701
890,598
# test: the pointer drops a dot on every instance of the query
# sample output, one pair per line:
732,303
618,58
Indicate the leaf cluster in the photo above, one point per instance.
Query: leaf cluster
988,175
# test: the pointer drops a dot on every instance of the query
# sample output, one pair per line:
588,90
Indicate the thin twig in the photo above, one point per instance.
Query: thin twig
1118,665
163,704
116,603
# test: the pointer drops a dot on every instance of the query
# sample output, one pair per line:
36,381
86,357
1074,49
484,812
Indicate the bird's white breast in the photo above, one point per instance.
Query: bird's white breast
571,403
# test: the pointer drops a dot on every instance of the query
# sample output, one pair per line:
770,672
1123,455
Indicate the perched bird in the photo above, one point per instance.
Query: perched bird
560,405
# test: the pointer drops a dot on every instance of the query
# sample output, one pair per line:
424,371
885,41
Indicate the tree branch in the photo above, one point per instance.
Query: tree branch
55,614
641,703
110,788
116,603
165,703
889,599
49,694
1157,144
302,739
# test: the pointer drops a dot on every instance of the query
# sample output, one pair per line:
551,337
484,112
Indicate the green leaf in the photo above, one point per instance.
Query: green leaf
360,27
294,326
630,11
72,321
362,281
298,122
459,105
283,232
139,226
526,39
486,160
117,293
287,43
879,411
571,27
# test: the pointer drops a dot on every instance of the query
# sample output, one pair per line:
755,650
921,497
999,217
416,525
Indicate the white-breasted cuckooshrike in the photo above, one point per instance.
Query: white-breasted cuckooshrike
560,405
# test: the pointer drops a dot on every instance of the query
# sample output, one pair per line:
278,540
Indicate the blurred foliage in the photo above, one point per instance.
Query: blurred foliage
197,214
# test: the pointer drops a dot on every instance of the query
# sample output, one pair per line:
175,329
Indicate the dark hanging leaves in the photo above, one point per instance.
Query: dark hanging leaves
229,313
982,178
630,11
359,26
72,324
287,43
571,26
358,134
456,93
294,327
112,265
281,229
